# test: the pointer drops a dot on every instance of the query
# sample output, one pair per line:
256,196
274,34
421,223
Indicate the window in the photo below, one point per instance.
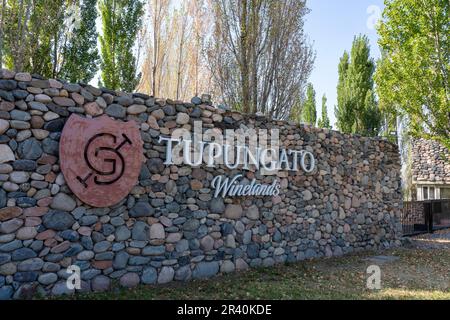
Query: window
431,193
445,193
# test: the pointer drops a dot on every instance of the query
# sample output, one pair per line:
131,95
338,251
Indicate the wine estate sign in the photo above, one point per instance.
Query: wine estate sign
101,158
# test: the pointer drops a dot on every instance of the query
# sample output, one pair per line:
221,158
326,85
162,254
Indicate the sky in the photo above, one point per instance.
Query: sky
331,26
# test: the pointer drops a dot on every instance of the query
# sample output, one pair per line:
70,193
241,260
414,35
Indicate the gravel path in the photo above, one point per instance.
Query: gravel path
437,240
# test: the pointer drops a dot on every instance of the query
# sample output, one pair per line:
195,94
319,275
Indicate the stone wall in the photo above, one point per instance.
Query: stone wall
169,227
430,162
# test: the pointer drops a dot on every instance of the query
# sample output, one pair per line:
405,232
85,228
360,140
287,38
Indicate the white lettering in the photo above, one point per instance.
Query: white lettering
225,187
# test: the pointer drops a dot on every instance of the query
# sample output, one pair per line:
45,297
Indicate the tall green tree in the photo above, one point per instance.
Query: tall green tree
121,21
81,54
324,121
413,76
40,37
309,112
343,112
357,109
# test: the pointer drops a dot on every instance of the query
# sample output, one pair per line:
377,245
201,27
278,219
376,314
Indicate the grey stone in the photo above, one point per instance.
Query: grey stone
19,177
129,280
233,211
169,110
8,269
226,228
24,165
70,235
142,209
61,288
102,246
117,221
8,96
101,283
26,276
8,85
33,264
11,246
149,275
125,100
20,115
247,238
108,255
116,110
10,226
6,292
3,198
58,220
227,266
182,246
85,255
54,125
205,269
166,275
120,260
4,258
153,250
268,262
122,233
217,206
50,146
183,273
26,202
253,250
196,100
48,278
191,225
88,220
138,260
155,165
30,149
252,212
360,219
63,202
23,254
90,274
307,195
140,231
34,105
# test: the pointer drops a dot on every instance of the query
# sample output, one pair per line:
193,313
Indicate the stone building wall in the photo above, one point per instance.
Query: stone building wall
170,228
430,162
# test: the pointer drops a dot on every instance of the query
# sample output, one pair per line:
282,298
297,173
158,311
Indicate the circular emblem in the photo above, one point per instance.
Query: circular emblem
100,158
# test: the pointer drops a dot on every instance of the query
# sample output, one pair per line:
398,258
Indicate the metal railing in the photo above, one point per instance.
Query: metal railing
425,216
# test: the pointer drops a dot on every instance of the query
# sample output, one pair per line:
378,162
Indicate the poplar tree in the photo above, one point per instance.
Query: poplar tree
121,21
413,77
324,121
309,112
357,110
81,54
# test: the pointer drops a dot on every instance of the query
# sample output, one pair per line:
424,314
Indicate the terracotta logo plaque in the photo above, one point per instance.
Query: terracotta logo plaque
100,158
